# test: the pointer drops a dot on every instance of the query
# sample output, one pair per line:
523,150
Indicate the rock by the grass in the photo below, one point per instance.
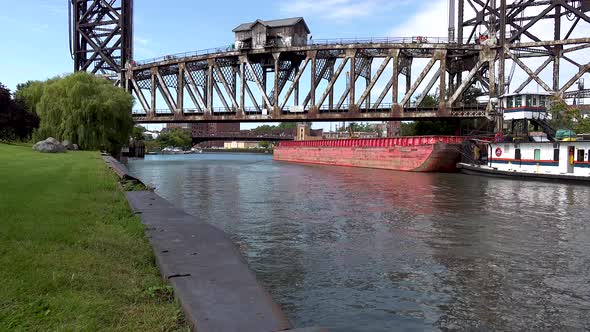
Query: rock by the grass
50,145
68,144
52,141
75,147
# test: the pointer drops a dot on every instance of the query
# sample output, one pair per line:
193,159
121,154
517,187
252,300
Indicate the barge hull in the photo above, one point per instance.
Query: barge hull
440,155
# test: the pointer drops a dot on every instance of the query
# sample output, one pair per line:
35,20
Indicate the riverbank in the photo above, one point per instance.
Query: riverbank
73,256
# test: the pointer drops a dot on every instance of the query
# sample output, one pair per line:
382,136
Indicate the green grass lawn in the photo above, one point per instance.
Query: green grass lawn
72,255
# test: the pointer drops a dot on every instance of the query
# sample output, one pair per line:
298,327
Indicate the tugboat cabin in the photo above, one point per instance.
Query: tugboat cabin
519,106
557,158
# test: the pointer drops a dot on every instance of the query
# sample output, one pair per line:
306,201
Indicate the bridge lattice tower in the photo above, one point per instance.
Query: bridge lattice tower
101,36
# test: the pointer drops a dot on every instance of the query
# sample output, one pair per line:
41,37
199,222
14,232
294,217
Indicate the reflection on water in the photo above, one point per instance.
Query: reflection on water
371,250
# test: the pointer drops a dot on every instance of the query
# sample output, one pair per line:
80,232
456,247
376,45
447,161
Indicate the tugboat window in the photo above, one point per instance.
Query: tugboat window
517,101
537,154
517,154
580,155
555,154
510,102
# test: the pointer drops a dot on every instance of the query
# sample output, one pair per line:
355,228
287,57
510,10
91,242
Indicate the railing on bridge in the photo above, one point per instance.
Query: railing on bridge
383,108
311,42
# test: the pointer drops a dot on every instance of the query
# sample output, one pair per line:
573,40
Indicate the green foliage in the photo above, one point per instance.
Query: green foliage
425,128
438,127
287,126
354,127
137,133
268,129
16,123
30,93
564,117
408,128
73,256
83,109
176,137
266,145
471,94
430,101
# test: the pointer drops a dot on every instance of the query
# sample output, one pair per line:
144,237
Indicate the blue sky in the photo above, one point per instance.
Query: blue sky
35,32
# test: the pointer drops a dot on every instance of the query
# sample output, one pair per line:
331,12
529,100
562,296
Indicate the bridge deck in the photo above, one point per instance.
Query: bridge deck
382,114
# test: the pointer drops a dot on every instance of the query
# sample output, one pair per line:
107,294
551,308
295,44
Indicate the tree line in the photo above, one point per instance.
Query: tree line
82,108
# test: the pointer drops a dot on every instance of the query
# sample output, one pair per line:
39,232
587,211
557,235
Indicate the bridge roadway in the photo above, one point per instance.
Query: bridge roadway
244,136
226,85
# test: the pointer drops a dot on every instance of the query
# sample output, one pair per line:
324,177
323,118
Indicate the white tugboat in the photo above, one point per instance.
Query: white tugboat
554,155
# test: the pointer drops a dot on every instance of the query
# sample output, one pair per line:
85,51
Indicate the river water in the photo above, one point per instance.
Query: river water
355,249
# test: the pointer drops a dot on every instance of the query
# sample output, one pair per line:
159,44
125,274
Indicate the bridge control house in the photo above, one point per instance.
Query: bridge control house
275,33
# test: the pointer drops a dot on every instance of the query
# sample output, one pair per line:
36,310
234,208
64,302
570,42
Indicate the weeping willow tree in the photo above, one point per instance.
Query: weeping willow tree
84,109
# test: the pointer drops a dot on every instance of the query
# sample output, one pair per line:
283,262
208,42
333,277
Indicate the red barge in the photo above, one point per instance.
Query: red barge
413,154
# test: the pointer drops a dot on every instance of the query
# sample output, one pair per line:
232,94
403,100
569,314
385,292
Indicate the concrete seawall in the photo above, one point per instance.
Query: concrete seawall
213,283
211,279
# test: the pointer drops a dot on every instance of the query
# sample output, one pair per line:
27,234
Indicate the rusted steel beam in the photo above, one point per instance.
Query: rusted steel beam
373,81
330,88
140,96
193,97
195,93
180,89
550,43
153,88
394,79
331,94
165,92
242,77
295,83
429,86
421,77
442,88
465,83
275,101
352,81
575,48
257,81
390,85
421,47
210,84
583,70
528,71
228,90
537,72
221,97
246,87
382,114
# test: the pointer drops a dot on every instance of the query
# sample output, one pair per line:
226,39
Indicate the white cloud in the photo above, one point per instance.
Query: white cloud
337,9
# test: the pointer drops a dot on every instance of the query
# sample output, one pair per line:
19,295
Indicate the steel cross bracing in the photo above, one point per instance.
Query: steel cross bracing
375,80
101,36
530,37
314,83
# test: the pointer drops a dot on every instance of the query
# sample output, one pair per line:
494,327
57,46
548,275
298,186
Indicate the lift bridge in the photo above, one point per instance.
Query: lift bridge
498,46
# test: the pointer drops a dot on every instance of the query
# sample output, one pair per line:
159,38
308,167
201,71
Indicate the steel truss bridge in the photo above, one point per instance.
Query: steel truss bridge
244,135
359,79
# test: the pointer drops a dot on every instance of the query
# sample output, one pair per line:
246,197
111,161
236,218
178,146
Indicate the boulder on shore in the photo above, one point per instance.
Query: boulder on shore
68,145
75,147
50,145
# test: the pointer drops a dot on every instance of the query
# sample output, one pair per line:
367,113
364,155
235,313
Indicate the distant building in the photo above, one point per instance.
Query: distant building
241,145
178,125
394,128
202,130
275,33
305,133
